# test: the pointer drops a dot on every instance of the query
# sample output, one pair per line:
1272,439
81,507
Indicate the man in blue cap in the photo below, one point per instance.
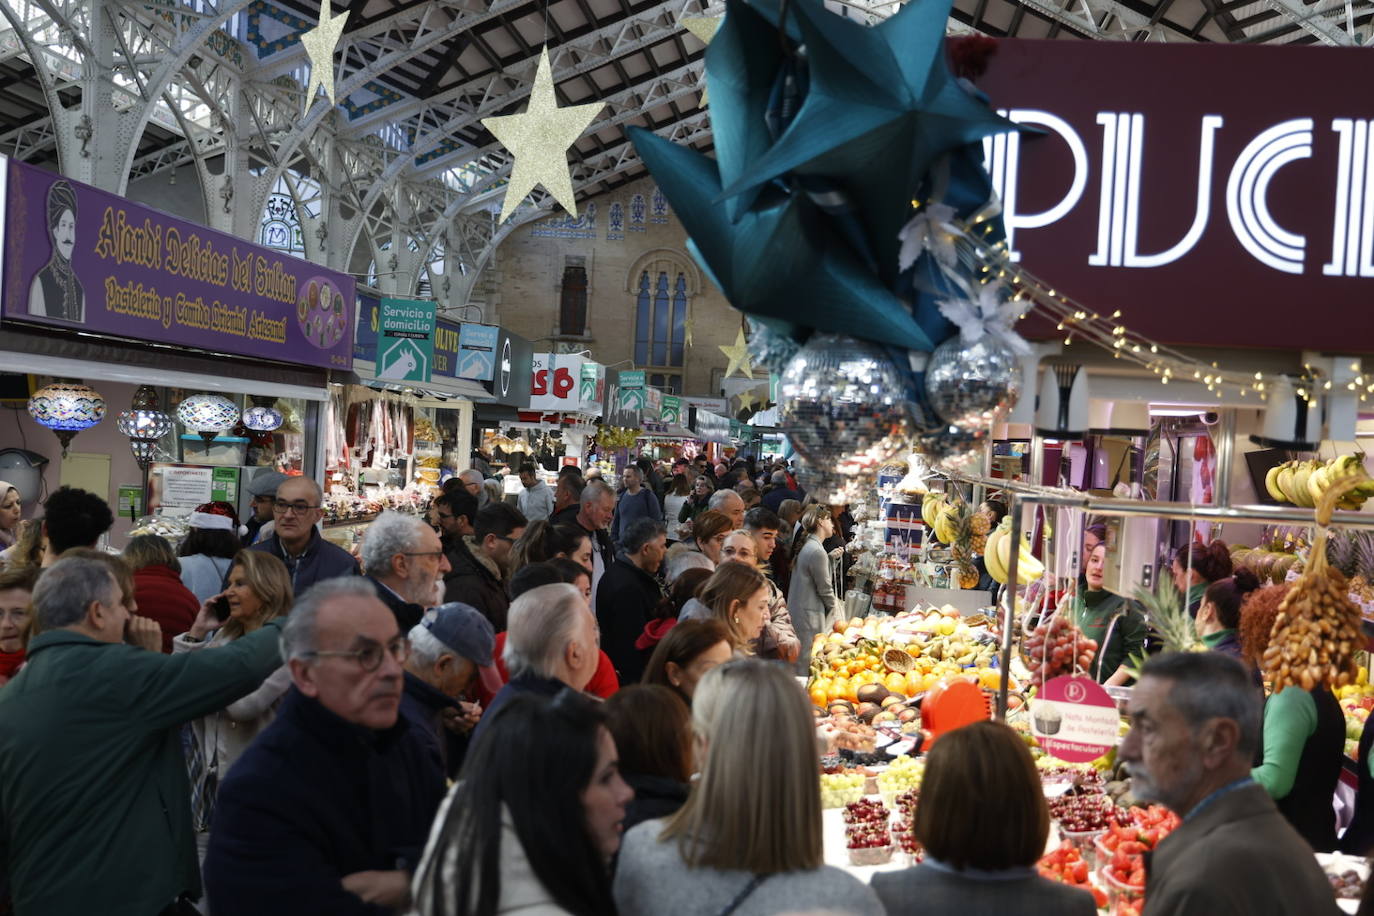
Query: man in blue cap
446,649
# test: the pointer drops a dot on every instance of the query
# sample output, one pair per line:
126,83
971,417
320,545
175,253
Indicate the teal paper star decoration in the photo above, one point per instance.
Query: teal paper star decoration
881,108
780,259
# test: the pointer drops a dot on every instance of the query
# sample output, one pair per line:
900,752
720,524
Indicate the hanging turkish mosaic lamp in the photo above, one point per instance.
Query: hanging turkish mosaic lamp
263,416
145,425
66,408
208,415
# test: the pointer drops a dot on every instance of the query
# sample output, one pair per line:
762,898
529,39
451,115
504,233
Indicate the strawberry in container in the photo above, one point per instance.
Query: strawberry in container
1065,863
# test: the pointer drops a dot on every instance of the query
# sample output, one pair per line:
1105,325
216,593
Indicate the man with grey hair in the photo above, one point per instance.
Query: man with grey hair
551,644
472,481
780,492
594,514
732,504
1195,721
446,649
95,808
309,558
329,809
404,559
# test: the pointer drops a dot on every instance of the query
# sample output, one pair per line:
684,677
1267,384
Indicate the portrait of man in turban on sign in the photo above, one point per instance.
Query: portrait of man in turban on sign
55,291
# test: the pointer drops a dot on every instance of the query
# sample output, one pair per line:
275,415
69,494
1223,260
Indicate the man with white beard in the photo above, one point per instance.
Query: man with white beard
405,561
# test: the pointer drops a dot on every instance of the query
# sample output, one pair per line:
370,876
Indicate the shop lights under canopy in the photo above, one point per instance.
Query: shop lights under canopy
208,415
66,408
1076,320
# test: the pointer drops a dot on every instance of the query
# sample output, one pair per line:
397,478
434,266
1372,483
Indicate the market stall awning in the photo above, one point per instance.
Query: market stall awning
25,350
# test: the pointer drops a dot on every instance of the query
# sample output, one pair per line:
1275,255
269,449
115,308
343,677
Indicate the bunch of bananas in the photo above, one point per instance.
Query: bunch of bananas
1302,483
998,557
943,517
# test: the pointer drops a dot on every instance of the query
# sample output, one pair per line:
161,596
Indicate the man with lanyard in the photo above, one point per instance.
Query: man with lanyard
309,558
1195,720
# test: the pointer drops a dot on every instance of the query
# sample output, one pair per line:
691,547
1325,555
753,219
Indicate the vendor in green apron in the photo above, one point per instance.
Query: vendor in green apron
1113,621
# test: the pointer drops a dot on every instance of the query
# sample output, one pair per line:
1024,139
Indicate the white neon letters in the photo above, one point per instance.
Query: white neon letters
1002,156
1247,191
1353,233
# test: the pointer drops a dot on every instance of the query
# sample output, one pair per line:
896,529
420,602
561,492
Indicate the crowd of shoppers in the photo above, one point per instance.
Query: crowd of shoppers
280,747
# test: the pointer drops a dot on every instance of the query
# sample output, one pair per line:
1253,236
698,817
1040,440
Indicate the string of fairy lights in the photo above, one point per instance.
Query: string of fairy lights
1079,321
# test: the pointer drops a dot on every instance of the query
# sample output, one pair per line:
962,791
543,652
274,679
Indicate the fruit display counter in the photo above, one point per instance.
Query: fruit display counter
867,664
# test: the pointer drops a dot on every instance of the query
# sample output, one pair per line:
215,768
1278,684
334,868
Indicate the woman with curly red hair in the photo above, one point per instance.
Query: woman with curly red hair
1303,734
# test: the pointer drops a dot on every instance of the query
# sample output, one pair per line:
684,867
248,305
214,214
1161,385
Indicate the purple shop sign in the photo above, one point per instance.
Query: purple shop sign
81,258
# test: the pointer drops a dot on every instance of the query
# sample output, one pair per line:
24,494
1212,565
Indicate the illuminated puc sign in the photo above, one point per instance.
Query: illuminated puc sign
1247,190
1201,189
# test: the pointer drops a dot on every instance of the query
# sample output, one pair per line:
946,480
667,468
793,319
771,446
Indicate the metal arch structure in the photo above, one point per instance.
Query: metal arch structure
123,90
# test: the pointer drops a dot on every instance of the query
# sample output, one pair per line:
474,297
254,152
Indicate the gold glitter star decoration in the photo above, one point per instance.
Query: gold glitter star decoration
747,399
539,140
738,354
320,43
704,28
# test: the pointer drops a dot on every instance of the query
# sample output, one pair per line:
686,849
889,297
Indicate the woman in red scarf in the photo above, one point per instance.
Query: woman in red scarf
16,585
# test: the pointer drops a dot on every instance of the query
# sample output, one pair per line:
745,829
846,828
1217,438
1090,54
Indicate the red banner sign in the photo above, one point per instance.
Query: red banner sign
1216,194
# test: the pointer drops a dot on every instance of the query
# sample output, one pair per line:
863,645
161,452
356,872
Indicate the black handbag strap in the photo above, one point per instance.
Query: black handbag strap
749,888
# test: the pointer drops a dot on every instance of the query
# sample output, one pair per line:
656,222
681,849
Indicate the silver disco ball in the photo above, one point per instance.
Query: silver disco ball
845,408
968,384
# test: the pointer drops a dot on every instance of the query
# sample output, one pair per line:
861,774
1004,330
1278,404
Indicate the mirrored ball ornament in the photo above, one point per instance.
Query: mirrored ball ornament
769,349
967,384
846,410
951,449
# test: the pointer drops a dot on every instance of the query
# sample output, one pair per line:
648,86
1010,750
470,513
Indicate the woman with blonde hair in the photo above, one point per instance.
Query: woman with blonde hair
811,593
259,590
748,839
737,597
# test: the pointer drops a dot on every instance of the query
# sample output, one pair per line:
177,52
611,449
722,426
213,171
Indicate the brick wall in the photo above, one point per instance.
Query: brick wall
527,271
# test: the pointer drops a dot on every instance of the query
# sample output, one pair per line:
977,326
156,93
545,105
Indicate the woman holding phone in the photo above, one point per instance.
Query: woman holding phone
259,589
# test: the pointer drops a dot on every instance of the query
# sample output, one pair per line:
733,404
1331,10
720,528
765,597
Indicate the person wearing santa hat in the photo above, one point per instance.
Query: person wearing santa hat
208,551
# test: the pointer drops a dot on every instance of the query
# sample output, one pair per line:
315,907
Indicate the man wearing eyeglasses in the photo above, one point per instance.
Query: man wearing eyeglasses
95,816
478,575
403,558
329,809
295,540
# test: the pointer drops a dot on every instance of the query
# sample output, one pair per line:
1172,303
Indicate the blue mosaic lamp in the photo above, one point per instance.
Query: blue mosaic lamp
66,408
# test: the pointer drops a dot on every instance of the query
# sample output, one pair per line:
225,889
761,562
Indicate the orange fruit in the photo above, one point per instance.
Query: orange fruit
895,682
819,696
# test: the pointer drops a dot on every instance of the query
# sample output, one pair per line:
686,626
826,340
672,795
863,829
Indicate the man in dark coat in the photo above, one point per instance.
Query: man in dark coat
1195,727
630,596
595,509
329,810
295,540
95,807
773,499
550,647
477,574
446,649
405,561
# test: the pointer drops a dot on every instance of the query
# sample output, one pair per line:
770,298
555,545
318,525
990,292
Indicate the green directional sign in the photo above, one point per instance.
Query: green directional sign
405,340
671,410
632,396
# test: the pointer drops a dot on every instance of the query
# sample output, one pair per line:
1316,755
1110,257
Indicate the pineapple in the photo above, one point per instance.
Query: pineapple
1364,555
980,524
1341,552
1168,619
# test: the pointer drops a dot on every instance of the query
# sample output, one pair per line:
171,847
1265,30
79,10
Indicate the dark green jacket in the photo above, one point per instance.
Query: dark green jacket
1101,613
95,806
